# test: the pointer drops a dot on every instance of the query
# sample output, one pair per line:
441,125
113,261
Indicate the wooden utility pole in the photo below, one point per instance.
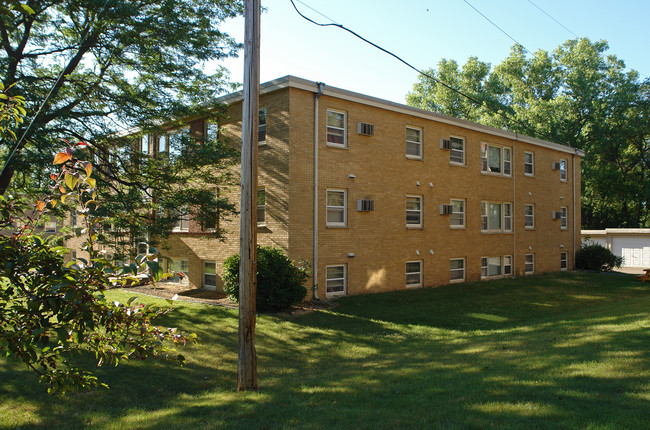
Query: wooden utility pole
247,363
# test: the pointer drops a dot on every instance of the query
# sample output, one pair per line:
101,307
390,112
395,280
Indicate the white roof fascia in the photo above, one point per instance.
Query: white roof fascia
306,85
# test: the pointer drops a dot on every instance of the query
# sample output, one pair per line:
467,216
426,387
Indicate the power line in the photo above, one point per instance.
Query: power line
449,87
558,22
499,28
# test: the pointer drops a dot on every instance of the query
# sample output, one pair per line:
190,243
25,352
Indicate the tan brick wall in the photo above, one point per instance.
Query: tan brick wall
380,241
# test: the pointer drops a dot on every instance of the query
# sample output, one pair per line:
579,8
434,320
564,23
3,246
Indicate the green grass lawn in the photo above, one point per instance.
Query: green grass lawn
560,351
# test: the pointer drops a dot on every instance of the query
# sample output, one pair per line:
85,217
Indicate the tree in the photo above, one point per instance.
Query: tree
576,95
95,69
51,312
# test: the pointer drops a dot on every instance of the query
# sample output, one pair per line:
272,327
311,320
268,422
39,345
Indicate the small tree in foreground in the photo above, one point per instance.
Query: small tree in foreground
598,258
51,312
279,280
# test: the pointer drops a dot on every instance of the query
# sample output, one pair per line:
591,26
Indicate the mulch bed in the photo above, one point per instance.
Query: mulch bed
167,290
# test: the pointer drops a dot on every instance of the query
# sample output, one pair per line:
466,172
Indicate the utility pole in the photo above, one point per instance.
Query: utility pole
247,362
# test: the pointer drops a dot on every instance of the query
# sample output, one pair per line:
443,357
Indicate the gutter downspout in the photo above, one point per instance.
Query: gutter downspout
314,272
573,174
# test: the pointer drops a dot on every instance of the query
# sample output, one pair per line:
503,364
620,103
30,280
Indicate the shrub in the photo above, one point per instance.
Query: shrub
279,280
598,258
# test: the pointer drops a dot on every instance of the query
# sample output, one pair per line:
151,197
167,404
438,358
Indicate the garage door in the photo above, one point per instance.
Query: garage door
635,251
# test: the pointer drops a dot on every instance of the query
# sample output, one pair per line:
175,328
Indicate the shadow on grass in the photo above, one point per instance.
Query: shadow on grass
566,352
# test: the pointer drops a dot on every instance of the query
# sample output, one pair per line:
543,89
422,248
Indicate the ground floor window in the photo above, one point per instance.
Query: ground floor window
456,269
529,264
413,274
496,266
209,273
335,280
179,267
563,260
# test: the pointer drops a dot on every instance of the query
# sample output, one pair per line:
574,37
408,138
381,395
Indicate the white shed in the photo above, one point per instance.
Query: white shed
633,244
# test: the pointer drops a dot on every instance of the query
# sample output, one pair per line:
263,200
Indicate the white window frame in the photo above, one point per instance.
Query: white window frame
455,213
530,163
505,217
485,159
529,219
529,264
413,211
205,274
183,222
337,209
261,208
344,129
564,260
461,270
507,265
564,223
49,226
144,143
487,262
416,144
563,170
211,130
329,280
454,152
261,128
412,272
173,135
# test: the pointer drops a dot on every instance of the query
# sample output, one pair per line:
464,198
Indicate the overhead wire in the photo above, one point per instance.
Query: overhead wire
558,22
499,28
433,78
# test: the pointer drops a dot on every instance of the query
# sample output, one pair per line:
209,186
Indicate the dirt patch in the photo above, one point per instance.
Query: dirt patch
167,290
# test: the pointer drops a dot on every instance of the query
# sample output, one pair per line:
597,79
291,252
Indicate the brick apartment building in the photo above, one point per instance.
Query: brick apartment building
380,196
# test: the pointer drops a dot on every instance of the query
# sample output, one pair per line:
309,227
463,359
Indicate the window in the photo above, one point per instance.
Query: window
261,134
529,264
563,260
176,141
50,227
563,170
457,218
144,144
336,132
336,208
507,265
210,221
73,218
211,130
413,274
507,162
563,218
176,266
495,159
457,269
457,150
162,144
413,211
335,280
529,216
261,207
413,143
209,274
490,266
507,217
496,216
182,220
529,164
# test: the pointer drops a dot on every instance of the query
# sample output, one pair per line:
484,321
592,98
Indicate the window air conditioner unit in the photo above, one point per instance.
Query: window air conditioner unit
445,144
446,209
557,215
365,205
365,129
556,165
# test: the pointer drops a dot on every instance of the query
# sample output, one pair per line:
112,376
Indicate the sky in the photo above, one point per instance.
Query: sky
423,32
